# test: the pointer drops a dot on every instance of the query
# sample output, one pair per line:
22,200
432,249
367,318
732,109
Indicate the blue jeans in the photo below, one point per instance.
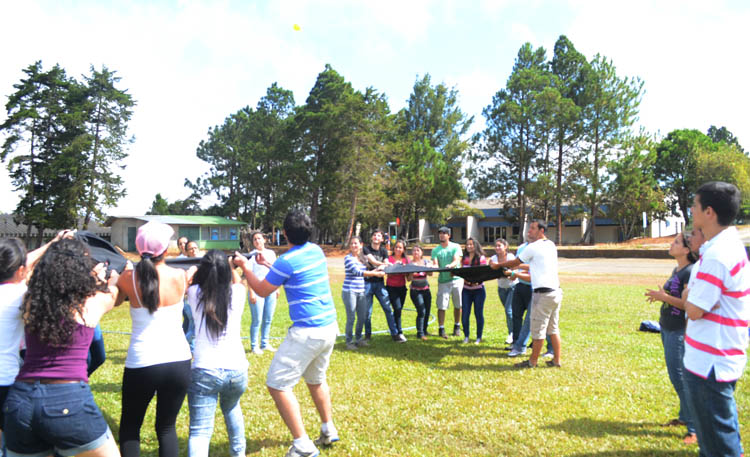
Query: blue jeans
377,288
422,301
674,350
714,415
521,304
188,325
207,387
476,296
264,307
506,298
356,308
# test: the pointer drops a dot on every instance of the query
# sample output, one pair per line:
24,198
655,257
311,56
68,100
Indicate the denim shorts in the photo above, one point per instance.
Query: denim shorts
44,418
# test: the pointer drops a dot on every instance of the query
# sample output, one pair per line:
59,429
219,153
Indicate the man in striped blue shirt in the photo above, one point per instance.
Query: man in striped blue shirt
306,350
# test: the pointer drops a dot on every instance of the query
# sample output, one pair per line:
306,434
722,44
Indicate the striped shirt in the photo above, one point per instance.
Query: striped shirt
353,275
721,288
303,271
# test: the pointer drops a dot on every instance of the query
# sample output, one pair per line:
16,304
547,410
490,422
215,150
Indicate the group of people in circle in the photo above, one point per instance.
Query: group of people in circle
365,279
51,301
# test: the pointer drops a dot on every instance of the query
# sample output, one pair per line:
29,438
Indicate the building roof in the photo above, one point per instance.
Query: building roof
181,220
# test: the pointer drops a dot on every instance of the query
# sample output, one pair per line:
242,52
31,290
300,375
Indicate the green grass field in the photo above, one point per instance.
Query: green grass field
444,398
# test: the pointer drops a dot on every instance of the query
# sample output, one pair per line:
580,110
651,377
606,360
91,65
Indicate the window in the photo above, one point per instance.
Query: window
215,234
493,233
233,233
463,232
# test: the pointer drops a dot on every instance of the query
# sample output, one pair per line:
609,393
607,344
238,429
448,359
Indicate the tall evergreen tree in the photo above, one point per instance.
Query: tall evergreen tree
509,146
432,135
322,128
571,72
42,155
610,109
108,110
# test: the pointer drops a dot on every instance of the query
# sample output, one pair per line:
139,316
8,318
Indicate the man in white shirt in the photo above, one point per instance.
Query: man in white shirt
541,257
718,311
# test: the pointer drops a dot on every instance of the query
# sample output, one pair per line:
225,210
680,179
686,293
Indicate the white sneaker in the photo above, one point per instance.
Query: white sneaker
294,452
466,340
479,340
257,351
549,355
326,439
515,353
269,348
509,340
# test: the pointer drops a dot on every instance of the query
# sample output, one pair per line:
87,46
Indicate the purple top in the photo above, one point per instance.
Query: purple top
43,361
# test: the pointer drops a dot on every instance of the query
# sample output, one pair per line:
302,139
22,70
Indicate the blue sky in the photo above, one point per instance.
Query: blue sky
191,64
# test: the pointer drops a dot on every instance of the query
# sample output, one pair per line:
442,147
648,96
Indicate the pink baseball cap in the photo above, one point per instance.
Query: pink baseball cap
153,238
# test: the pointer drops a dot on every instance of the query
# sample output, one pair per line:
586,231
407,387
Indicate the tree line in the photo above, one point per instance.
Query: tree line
343,155
64,143
558,143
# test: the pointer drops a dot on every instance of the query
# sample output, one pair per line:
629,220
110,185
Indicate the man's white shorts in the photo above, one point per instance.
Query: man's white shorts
545,313
448,290
305,352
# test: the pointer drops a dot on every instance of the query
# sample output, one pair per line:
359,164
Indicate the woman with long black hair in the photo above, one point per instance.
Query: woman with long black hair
473,292
50,408
217,299
158,360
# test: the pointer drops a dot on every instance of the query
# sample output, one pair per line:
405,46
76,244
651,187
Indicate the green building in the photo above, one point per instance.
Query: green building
210,232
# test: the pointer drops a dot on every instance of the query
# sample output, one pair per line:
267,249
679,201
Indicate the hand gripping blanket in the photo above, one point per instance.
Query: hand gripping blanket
479,273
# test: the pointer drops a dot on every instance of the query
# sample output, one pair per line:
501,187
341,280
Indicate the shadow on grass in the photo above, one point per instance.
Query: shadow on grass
116,356
642,453
433,352
114,424
106,387
593,428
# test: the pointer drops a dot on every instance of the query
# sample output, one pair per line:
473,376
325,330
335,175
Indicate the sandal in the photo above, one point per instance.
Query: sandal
524,364
550,363
674,423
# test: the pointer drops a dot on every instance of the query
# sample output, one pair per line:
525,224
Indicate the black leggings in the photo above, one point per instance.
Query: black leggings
397,296
169,381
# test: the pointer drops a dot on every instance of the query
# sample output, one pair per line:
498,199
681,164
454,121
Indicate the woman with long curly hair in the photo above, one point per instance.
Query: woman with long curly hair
217,299
158,360
50,408
15,269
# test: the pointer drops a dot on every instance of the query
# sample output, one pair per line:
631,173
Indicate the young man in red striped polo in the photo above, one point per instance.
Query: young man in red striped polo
718,309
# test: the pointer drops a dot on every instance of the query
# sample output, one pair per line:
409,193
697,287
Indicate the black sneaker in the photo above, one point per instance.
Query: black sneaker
456,330
442,334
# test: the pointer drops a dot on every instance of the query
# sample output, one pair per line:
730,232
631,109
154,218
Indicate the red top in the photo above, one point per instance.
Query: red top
398,280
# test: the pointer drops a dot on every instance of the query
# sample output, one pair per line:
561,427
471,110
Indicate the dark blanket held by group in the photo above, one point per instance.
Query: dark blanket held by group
473,274
103,251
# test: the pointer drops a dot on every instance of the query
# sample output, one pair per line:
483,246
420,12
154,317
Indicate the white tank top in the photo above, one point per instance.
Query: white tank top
156,337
